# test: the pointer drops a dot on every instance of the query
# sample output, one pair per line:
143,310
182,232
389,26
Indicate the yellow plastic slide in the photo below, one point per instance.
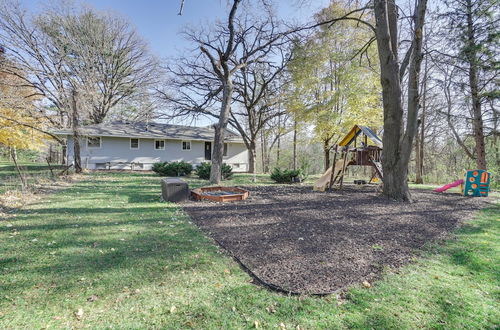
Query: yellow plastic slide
324,181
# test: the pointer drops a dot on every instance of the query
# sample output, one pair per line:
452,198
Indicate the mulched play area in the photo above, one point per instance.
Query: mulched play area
297,240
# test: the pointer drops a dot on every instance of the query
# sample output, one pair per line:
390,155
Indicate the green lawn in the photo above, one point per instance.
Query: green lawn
33,172
106,253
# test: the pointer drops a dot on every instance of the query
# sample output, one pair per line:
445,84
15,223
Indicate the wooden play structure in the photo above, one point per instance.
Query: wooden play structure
360,147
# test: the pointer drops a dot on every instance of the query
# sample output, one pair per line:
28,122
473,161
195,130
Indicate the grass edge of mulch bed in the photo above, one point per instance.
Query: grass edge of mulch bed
413,256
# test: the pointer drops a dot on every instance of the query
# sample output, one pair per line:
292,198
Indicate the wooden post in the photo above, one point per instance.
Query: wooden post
374,172
332,176
343,169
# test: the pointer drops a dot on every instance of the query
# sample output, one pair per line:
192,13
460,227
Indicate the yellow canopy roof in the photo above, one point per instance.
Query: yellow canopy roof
355,131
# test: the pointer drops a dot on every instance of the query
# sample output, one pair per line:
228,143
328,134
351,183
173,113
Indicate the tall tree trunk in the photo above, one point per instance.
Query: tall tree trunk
278,147
397,143
326,153
495,138
220,129
418,160
395,173
420,151
265,154
294,144
263,151
420,138
252,156
477,118
76,135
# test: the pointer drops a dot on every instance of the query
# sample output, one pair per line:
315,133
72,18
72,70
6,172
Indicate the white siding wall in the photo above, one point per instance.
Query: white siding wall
117,150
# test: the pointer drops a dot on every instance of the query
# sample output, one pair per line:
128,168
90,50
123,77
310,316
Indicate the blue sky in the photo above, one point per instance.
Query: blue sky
157,20
158,23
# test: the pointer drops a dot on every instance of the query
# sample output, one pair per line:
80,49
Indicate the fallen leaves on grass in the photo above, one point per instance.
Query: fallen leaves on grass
271,309
92,298
366,284
79,314
173,309
15,199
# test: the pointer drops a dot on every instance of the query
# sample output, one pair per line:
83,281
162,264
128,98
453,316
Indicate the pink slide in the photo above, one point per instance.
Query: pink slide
449,185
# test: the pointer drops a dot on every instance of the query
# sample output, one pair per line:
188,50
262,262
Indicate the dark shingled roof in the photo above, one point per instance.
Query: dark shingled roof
152,131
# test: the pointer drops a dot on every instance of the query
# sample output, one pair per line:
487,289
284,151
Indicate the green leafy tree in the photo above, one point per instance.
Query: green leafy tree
334,89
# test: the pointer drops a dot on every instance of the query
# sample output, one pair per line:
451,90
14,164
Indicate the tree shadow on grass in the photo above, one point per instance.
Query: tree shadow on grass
54,247
139,254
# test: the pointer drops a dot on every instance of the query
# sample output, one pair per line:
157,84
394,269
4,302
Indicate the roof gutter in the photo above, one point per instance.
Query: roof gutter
142,137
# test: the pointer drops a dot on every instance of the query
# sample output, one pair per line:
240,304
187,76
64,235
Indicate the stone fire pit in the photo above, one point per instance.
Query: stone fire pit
220,194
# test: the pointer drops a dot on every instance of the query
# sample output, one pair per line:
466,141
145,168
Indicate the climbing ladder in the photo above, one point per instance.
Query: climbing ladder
378,169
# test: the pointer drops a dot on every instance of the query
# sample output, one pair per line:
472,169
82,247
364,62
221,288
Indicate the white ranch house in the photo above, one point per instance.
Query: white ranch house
137,146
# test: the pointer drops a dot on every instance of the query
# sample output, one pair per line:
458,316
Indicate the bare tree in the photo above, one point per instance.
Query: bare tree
471,29
258,90
206,80
64,51
29,51
272,134
111,62
16,95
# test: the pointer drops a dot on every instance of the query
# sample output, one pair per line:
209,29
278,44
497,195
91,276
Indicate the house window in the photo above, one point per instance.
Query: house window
134,143
186,145
225,150
159,145
93,142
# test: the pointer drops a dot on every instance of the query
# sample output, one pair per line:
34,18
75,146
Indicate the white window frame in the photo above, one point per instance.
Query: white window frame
154,145
138,143
182,145
226,149
94,137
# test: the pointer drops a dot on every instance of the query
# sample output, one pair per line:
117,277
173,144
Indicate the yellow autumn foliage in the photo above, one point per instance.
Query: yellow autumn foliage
333,86
15,130
19,128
